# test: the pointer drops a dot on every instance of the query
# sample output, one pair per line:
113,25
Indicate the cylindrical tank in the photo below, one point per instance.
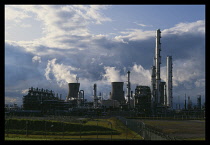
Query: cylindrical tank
73,90
117,91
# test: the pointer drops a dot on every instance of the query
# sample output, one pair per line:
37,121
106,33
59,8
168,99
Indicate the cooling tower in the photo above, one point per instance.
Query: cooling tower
73,90
117,91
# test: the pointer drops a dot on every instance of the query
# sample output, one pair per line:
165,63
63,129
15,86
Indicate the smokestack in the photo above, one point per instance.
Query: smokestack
157,64
185,103
95,96
117,91
128,89
169,82
94,90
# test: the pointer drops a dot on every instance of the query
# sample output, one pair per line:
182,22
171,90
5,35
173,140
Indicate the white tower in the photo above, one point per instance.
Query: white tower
169,82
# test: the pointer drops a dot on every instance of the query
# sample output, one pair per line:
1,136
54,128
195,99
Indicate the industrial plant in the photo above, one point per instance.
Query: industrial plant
144,100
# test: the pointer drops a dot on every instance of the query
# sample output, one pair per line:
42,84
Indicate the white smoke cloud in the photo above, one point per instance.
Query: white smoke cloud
140,76
112,74
60,72
24,91
184,70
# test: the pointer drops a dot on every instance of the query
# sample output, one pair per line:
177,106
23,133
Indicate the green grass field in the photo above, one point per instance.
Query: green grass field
97,129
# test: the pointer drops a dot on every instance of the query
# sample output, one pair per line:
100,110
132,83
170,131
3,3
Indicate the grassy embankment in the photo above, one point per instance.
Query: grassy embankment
18,129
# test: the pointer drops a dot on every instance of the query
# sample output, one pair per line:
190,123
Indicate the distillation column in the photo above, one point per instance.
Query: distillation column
153,84
157,65
169,76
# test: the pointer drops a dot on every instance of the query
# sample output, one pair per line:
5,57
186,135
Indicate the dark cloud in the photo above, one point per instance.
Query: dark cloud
184,46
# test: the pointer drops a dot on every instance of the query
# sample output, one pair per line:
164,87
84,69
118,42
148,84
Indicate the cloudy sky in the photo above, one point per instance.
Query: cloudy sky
48,46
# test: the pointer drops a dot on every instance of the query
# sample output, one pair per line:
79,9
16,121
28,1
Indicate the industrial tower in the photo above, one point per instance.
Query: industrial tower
128,89
161,91
95,96
169,82
155,78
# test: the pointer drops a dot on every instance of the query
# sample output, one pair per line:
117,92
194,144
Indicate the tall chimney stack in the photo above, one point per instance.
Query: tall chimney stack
95,96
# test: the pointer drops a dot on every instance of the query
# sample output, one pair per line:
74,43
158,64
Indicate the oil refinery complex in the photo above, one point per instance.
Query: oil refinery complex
144,100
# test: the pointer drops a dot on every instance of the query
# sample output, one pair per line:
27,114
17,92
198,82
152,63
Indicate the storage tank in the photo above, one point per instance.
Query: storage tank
73,90
117,92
